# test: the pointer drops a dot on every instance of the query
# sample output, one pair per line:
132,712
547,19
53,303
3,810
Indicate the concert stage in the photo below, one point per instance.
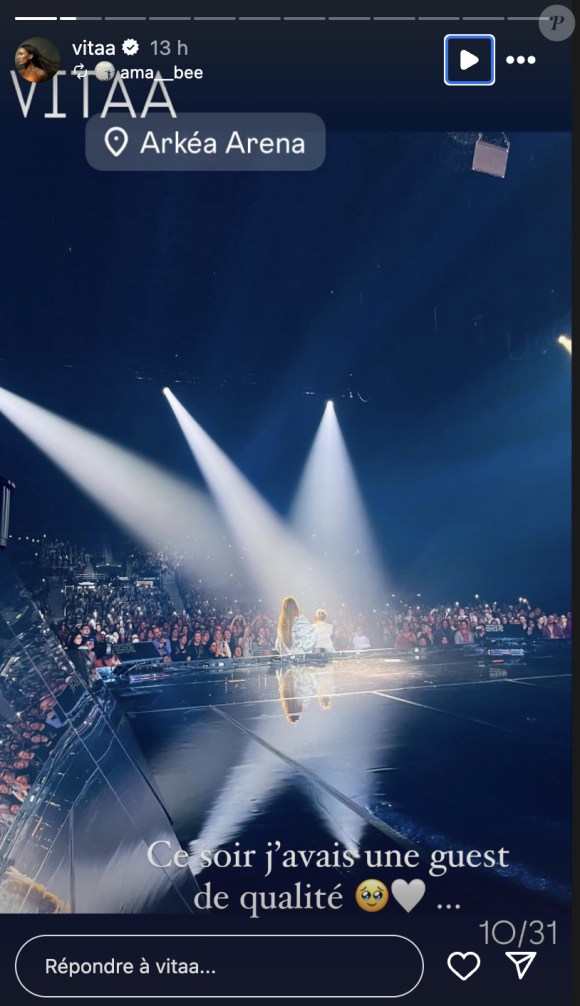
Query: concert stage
458,751
376,752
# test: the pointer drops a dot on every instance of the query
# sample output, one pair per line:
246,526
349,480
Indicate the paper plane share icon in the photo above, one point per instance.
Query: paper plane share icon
522,961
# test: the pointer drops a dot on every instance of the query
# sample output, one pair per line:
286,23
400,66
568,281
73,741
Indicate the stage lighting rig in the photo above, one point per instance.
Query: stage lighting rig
566,342
491,156
487,153
6,487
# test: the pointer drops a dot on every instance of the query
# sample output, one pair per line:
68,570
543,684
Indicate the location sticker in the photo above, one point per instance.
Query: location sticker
116,139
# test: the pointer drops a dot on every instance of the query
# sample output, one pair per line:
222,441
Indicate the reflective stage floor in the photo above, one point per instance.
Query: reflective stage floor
369,754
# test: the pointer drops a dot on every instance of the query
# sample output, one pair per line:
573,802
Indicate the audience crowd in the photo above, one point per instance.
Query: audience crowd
101,616
28,736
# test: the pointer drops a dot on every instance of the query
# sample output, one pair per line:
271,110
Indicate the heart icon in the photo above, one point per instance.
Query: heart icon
408,895
469,953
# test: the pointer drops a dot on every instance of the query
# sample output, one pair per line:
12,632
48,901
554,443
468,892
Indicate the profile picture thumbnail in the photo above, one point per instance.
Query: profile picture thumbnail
37,59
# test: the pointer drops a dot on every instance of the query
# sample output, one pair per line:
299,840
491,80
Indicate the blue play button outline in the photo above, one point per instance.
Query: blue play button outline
468,83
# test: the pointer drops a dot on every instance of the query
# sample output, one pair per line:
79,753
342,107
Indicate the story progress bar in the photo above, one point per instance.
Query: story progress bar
272,18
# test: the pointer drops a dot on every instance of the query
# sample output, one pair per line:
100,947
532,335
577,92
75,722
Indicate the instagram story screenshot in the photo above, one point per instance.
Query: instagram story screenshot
285,501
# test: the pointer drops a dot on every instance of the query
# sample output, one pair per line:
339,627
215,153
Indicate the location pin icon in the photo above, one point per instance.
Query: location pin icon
116,139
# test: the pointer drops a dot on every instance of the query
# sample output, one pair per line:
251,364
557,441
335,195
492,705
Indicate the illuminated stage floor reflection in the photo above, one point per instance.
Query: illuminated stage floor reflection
370,755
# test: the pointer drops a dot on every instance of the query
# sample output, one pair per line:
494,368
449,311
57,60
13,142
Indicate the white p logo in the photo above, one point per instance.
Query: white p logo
557,22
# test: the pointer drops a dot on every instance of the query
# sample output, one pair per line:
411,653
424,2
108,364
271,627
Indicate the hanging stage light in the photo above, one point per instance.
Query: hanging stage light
566,342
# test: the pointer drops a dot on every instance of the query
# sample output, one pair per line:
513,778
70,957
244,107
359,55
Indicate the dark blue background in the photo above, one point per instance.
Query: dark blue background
424,297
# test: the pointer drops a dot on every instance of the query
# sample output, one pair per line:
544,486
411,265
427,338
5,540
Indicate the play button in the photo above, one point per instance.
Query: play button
467,59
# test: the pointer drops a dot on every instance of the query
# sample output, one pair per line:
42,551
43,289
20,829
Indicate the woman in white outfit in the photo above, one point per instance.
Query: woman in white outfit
323,630
295,633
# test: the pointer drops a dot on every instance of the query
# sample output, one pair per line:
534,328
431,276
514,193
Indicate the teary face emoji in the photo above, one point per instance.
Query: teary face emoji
371,895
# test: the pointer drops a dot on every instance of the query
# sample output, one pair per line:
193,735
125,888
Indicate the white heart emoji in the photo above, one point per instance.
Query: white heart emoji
408,895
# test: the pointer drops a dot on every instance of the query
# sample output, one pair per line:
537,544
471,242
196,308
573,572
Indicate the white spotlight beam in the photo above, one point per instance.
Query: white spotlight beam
141,496
328,508
278,563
